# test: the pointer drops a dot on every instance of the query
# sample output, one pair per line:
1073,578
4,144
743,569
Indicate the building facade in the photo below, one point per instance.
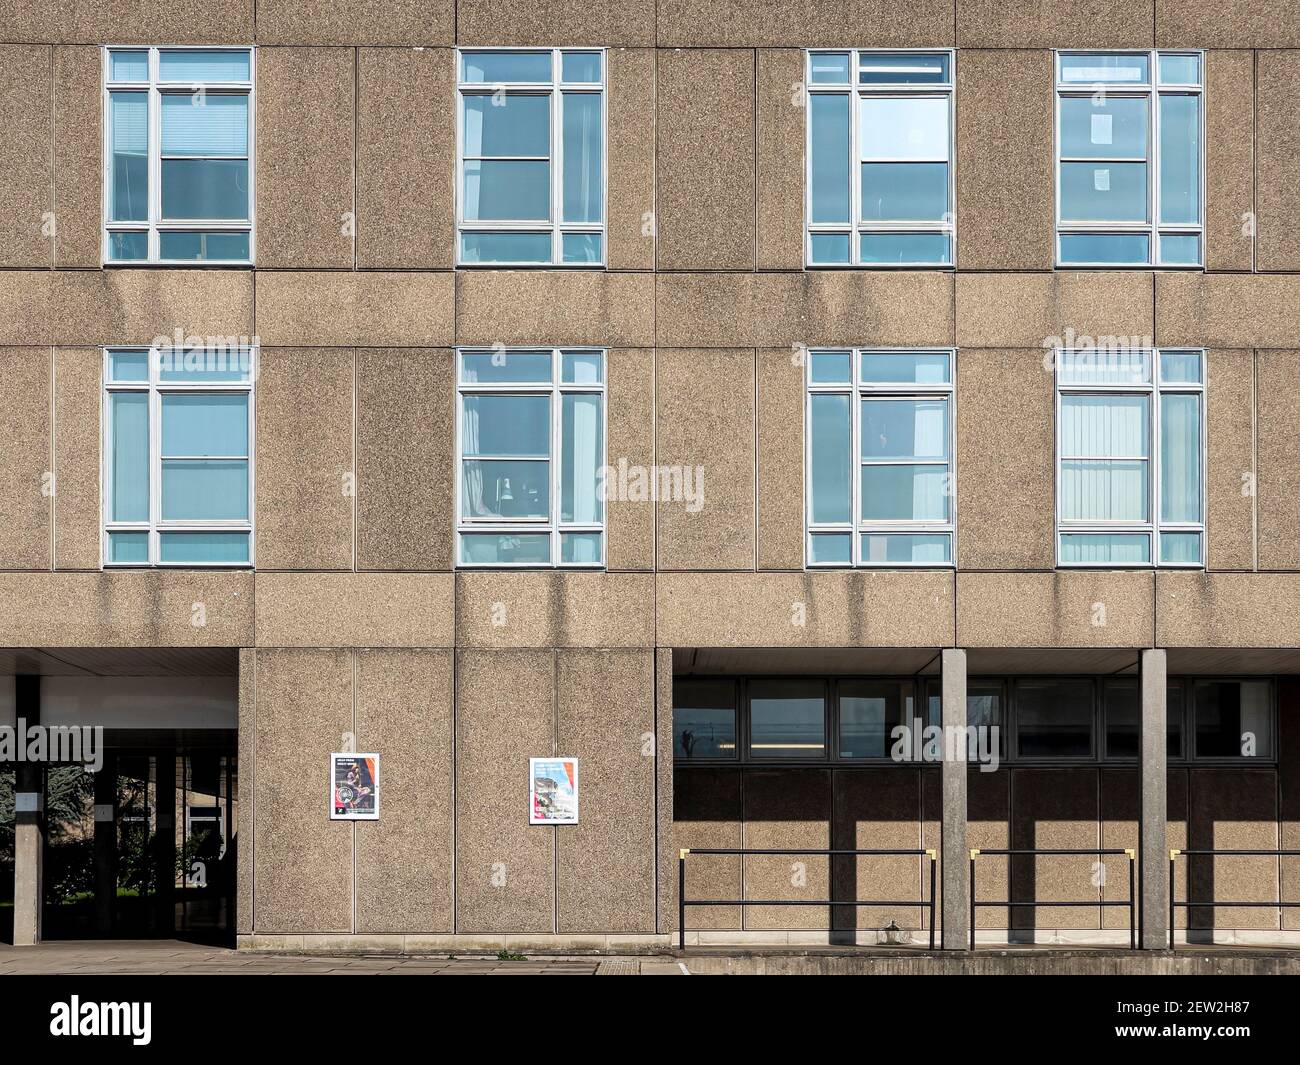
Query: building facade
480,382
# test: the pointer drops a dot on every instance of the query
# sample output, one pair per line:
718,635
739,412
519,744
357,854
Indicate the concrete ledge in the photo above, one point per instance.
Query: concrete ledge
433,943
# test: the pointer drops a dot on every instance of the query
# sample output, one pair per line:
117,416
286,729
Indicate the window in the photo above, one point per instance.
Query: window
531,135
787,719
1130,445
532,452
880,184
879,458
178,183
1123,705
178,486
1054,718
1234,719
869,712
1129,173
704,719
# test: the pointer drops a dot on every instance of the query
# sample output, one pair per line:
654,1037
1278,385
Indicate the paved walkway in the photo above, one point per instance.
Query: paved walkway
170,957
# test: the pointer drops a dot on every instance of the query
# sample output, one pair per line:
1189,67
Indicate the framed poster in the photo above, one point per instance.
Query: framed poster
354,787
552,791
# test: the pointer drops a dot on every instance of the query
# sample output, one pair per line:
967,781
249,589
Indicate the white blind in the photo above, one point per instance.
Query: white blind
209,124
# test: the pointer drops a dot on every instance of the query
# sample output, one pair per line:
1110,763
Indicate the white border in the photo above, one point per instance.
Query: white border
333,762
532,791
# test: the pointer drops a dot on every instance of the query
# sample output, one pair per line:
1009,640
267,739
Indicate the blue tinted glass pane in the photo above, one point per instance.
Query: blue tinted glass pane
787,719
580,549
131,548
1105,426
210,548
128,66
830,248
1103,548
203,125
196,426
1180,367
1101,367
581,247
487,549
1180,249
128,247
883,68
583,178
831,367
828,116
1180,458
830,458
830,549
582,453
904,493
505,489
1106,69
913,128
506,426
905,248
921,368
204,489
904,192
198,365
1104,490
1105,248
505,248
129,456
205,189
206,246
1114,128
1179,69
129,119
1104,192
829,68
581,367
492,67
128,366
1180,549
508,125
904,429
904,548
580,66
1180,158
192,65
507,190
488,367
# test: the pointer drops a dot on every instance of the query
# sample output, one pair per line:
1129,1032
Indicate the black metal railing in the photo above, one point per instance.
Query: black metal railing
1214,852
683,901
1130,902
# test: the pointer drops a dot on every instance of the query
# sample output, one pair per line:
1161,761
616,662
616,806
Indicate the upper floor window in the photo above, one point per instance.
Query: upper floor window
177,155
879,458
880,183
1129,144
178,454
531,160
531,447
1130,445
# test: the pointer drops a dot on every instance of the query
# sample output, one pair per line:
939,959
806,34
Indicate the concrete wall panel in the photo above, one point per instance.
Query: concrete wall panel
1066,608
631,140
25,155
815,24
707,814
630,443
779,153
504,608
1230,504
1054,808
374,22
354,609
786,810
1229,159
781,393
878,809
530,307
1054,24
25,426
1277,400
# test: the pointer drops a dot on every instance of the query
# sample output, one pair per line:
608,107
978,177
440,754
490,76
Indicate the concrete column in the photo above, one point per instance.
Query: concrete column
105,844
1153,866
955,857
29,820
164,855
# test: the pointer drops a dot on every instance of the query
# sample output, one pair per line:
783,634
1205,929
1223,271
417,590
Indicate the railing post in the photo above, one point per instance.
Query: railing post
973,855
932,882
1132,903
681,897
1173,855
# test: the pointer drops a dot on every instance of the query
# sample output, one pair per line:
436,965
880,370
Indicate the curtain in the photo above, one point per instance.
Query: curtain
581,459
582,157
471,472
1104,457
130,456
1180,458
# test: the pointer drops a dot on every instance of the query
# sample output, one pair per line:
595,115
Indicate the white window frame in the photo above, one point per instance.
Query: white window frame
156,388
1151,90
856,226
857,390
551,524
555,89
1154,526
156,88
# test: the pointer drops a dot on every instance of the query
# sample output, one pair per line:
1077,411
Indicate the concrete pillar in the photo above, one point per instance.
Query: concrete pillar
29,820
105,844
955,857
1153,875
164,855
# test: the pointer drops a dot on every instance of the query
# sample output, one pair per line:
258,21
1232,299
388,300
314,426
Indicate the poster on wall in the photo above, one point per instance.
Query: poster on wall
354,787
552,791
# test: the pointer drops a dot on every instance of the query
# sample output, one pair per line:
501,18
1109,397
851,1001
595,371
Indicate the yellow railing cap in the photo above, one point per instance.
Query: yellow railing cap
1174,852
683,852
1132,854
931,852
974,852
